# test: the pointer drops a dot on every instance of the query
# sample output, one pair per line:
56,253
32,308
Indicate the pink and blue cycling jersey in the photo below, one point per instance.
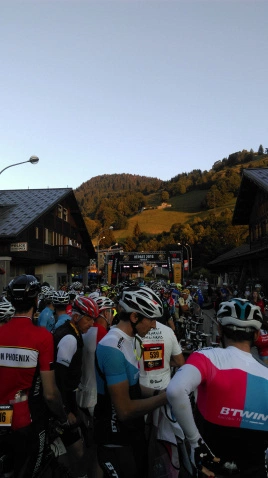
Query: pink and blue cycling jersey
233,389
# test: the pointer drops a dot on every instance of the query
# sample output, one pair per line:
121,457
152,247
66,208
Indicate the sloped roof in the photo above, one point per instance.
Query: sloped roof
252,180
229,256
19,208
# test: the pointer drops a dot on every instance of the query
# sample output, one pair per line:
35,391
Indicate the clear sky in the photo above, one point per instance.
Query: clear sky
146,87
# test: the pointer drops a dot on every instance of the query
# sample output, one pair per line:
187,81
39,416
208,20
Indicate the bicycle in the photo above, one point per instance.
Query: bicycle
50,467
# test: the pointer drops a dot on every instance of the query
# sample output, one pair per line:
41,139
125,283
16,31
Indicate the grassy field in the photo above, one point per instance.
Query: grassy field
184,209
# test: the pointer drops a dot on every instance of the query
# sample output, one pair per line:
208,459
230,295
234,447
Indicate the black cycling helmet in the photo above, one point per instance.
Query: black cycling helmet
23,290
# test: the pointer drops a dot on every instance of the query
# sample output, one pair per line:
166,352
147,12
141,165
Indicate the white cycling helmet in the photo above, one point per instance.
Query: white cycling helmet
60,297
6,310
240,314
77,286
94,295
104,303
142,300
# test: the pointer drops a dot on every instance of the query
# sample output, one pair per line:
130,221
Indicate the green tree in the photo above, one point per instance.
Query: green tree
165,196
260,150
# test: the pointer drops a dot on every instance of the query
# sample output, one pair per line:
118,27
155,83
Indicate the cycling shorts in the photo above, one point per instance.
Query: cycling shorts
122,461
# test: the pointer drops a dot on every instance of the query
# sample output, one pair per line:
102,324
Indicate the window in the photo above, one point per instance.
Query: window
49,237
60,211
65,214
36,233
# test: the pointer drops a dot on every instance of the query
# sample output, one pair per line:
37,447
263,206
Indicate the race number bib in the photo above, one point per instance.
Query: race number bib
6,413
153,356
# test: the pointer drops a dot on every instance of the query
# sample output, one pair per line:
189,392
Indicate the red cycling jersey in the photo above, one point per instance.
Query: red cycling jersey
25,350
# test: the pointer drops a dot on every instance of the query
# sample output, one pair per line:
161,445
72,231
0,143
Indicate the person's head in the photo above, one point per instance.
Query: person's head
166,294
239,320
77,286
105,290
85,311
141,307
47,296
60,300
255,295
185,293
6,311
257,287
23,292
106,308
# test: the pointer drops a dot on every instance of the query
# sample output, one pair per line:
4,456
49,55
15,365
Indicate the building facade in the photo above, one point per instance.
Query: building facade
42,232
249,262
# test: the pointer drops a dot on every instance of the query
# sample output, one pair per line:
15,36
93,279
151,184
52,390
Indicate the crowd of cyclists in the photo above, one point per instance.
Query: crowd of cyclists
107,364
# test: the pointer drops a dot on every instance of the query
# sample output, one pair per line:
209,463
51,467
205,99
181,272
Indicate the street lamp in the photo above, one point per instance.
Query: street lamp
99,238
32,160
187,252
191,257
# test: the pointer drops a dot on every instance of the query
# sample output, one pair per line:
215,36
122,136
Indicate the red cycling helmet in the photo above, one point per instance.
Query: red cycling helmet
86,306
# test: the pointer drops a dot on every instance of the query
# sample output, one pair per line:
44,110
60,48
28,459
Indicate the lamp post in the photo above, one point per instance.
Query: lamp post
99,238
191,256
187,252
32,160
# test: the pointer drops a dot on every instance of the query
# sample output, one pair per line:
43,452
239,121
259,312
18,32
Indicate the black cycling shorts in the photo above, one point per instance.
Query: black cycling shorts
123,461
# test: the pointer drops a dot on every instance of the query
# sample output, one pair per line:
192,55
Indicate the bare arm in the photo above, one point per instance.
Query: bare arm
52,395
126,408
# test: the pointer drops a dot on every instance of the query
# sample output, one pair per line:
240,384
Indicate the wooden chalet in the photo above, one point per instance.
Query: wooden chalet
249,262
42,232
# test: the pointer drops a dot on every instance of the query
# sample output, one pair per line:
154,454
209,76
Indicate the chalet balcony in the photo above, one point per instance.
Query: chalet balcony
71,254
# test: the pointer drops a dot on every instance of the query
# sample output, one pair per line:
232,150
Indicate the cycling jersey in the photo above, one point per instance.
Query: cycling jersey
116,363
25,350
158,347
68,351
87,391
62,319
232,404
46,319
262,344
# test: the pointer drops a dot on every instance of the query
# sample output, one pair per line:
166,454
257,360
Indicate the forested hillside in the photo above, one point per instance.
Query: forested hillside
151,214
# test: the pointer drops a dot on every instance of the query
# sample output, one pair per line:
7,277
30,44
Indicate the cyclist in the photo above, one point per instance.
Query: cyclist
87,391
168,304
72,295
41,297
232,399
105,289
46,317
122,402
68,351
60,300
27,380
